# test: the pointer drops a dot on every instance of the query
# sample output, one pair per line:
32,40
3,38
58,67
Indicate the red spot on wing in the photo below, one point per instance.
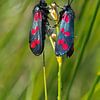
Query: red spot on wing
40,16
34,31
62,30
37,42
65,46
37,28
66,18
34,43
67,33
60,42
37,15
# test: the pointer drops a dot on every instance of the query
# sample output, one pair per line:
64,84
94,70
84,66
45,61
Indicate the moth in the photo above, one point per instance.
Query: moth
65,40
39,28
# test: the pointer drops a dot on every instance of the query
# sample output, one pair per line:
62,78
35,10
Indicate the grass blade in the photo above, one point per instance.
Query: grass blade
93,87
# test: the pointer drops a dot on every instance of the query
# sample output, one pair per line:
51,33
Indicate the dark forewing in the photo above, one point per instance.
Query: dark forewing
65,39
36,36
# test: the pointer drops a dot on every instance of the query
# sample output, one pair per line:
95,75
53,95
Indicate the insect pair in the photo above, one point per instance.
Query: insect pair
40,26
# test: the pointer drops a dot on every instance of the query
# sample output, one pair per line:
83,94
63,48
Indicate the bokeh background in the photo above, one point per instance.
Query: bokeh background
21,74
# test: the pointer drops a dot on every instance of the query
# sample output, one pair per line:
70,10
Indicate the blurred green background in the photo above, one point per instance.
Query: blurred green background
21,75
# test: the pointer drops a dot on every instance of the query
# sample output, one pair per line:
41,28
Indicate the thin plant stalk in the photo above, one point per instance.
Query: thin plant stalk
93,87
45,85
59,60
54,14
52,43
44,76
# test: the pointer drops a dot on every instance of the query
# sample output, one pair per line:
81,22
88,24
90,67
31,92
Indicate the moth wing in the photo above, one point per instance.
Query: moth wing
36,33
66,36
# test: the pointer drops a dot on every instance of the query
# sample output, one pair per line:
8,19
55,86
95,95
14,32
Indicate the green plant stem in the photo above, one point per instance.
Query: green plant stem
52,43
45,86
82,50
59,81
59,59
93,87
57,29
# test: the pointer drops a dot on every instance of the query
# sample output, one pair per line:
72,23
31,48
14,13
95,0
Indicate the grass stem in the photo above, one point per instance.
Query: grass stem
45,86
54,14
59,60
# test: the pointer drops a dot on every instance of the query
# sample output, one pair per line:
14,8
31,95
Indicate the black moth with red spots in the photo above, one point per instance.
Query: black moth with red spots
65,41
38,30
